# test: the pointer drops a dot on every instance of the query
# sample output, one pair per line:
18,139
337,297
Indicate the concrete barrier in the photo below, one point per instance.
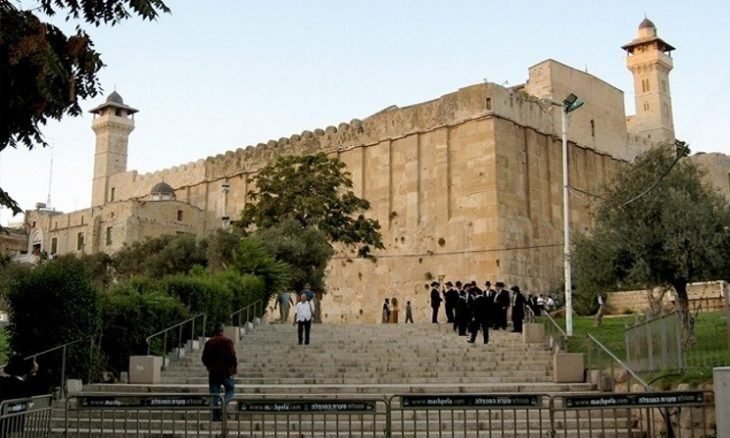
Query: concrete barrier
145,369
533,333
568,367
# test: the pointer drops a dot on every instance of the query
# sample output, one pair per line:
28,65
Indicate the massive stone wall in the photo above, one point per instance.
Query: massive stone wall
467,186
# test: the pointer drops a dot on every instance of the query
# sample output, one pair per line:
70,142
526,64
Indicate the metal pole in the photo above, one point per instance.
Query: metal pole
192,336
63,372
566,231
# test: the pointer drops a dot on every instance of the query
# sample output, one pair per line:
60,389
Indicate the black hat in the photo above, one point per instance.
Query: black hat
434,283
499,284
488,283
515,288
448,283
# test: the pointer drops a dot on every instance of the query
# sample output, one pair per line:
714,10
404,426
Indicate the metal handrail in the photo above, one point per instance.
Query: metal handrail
256,305
64,347
179,326
615,358
555,324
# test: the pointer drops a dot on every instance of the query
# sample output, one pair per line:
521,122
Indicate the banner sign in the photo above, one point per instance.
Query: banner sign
307,406
649,399
483,401
147,402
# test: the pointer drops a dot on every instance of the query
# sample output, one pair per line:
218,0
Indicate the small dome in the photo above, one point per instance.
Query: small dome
162,188
647,24
115,98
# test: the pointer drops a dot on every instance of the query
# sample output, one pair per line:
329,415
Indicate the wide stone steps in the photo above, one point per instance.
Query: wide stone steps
356,362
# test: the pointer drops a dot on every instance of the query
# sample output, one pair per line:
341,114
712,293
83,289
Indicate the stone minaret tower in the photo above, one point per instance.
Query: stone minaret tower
113,122
650,60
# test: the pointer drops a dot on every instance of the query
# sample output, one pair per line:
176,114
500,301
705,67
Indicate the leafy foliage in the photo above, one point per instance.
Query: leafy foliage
201,295
220,246
245,289
305,250
313,191
252,257
165,255
52,305
44,73
132,311
677,232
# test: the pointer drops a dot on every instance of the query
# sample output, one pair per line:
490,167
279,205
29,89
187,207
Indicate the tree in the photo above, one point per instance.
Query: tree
312,190
253,258
164,255
658,225
44,72
305,250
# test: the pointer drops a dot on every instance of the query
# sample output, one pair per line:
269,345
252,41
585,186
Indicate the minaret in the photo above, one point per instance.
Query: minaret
113,122
650,60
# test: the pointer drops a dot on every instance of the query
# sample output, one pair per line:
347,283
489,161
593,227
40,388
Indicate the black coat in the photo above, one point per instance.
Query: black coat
502,299
482,308
435,298
518,310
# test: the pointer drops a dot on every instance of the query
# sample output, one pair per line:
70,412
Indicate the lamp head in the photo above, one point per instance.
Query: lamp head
572,103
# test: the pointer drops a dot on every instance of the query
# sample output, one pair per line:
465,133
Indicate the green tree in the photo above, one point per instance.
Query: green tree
220,246
254,258
658,225
306,251
44,73
316,191
165,255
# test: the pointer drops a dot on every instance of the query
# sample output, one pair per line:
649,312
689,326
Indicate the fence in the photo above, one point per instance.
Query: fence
26,417
661,343
669,414
303,415
462,415
660,414
179,415
655,344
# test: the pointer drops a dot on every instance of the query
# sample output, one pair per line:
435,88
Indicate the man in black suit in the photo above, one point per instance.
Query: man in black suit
518,309
435,301
501,302
480,317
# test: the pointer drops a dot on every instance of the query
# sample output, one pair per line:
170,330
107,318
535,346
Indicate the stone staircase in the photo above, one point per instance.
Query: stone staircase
355,362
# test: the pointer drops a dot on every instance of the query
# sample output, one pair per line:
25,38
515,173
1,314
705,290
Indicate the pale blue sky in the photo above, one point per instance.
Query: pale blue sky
212,78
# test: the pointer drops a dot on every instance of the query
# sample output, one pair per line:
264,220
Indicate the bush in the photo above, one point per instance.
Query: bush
201,295
52,305
245,289
165,255
10,274
132,311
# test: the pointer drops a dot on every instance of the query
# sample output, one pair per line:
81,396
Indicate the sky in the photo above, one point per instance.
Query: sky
217,75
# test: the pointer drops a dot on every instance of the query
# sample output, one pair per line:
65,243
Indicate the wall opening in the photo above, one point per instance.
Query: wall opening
108,236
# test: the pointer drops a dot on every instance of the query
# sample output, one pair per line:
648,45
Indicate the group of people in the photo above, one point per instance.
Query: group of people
303,311
471,309
391,311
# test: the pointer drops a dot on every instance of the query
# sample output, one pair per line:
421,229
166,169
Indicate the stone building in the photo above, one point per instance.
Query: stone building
468,185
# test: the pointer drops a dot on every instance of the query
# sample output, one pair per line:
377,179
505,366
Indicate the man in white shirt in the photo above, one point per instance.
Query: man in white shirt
303,318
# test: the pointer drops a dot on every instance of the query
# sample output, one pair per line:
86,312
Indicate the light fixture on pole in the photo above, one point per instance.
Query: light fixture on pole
570,103
225,188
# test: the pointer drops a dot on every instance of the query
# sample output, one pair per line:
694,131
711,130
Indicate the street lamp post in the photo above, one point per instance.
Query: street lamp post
570,103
